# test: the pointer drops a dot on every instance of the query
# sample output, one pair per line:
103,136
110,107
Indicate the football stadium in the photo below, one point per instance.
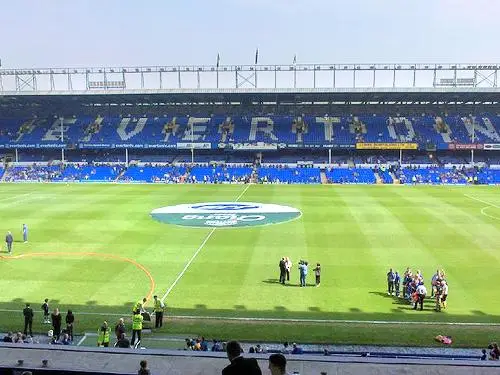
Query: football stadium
346,216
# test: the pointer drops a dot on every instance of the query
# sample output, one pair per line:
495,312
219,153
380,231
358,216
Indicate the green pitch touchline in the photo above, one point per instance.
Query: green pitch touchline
197,252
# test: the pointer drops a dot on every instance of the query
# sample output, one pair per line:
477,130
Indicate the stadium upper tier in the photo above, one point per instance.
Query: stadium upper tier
250,133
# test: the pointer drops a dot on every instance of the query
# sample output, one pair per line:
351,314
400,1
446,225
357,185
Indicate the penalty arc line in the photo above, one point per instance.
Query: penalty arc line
179,276
483,211
489,205
480,200
152,284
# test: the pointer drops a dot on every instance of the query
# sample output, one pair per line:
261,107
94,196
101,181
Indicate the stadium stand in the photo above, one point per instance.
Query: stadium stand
350,176
279,174
167,131
150,173
157,148
285,175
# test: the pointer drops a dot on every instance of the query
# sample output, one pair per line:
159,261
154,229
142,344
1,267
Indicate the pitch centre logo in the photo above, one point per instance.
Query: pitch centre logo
225,214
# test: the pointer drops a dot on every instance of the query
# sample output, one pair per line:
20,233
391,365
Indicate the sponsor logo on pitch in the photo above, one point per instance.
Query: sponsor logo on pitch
225,214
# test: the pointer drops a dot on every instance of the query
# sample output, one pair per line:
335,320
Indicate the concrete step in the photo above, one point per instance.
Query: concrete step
395,180
324,180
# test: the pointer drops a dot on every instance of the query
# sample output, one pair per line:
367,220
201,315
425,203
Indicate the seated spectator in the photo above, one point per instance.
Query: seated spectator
286,348
27,339
203,344
54,341
144,368
297,349
18,338
65,340
189,344
8,337
494,351
216,346
122,342
484,356
197,345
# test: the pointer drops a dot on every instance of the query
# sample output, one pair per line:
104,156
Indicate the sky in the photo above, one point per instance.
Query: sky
79,33
67,33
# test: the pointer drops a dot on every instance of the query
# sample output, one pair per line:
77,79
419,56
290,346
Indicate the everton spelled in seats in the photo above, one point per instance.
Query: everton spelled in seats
262,132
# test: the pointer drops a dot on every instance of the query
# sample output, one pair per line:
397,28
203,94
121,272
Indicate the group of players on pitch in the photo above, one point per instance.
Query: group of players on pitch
414,290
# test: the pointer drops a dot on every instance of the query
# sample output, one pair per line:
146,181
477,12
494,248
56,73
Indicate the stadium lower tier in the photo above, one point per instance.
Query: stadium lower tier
354,157
245,174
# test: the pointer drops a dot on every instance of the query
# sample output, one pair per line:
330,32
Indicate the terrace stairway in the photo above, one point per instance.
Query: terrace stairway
120,175
324,179
378,179
6,168
395,180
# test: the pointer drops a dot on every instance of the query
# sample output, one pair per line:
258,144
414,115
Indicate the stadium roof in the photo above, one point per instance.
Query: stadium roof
337,95
295,83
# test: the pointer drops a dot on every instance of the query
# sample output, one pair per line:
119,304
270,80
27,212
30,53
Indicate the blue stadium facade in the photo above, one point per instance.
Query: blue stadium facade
297,135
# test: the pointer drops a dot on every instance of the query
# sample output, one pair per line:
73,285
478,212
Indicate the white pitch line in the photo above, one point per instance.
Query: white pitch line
197,252
285,320
291,320
483,211
188,264
242,193
480,200
79,313
15,197
81,340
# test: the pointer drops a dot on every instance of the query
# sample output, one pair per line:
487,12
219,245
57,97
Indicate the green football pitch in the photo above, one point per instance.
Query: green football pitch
94,248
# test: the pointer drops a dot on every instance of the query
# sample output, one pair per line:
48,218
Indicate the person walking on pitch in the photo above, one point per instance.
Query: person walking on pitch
9,240
25,233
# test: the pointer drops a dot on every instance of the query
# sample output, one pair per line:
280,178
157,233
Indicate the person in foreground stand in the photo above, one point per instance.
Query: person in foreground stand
144,368
277,364
239,365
